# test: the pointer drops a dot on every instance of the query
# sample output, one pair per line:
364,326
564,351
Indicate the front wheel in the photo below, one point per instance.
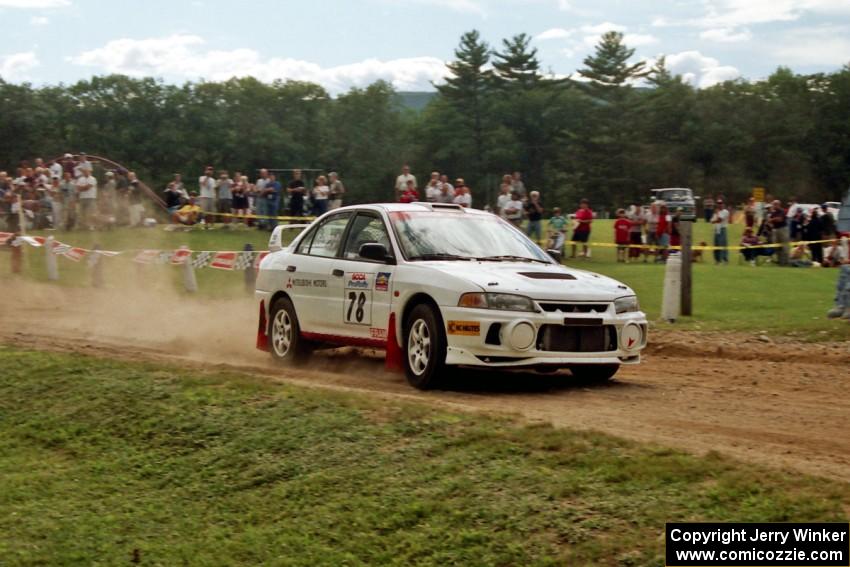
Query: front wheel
287,345
594,372
425,348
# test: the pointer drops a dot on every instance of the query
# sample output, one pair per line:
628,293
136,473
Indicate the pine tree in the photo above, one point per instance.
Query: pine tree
517,65
467,91
608,68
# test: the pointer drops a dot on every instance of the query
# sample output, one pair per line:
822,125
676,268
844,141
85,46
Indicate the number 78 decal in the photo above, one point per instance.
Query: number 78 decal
357,308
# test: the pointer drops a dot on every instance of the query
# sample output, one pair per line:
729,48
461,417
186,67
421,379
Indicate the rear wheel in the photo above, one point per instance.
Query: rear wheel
594,372
287,345
425,347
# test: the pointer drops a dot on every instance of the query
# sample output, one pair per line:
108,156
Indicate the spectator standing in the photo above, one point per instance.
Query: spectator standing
206,186
262,200
720,220
321,196
635,218
224,194
708,207
434,189
402,182
662,233
778,220
557,230
69,198
296,191
463,196
337,190
87,197
534,213
581,233
517,186
813,231
171,198
240,197
410,194
57,203
134,198
842,293
55,169
514,210
447,193
444,179
828,228
750,213
273,192
650,222
622,238
83,165
503,199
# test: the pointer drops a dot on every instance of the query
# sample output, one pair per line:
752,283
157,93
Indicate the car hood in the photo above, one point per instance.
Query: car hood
538,281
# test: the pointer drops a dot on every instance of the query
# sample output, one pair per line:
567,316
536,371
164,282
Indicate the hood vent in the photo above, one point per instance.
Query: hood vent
547,275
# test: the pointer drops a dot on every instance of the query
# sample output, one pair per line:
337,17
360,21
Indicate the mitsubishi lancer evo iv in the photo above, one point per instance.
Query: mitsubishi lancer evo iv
439,286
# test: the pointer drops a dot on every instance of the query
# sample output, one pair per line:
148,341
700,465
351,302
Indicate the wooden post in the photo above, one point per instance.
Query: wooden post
22,218
686,238
17,255
50,259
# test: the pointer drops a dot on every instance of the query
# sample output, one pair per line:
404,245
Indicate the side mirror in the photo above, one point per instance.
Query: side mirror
555,255
375,251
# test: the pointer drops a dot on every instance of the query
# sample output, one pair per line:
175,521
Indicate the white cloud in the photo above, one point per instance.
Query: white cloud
602,28
726,35
34,3
553,33
15,67
821,45
700,70
182,56
736,13
565,6
39,21
639,39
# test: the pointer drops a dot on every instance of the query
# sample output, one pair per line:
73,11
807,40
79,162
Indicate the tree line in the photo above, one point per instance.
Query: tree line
610,134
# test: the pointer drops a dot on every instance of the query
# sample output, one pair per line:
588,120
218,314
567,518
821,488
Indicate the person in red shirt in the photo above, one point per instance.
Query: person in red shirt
410,194
581,233
662,234
621,234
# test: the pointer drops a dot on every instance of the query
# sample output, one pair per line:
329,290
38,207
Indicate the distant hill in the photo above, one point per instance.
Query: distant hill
416,100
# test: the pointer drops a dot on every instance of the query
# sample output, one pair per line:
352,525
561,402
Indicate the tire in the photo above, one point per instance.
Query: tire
424,348
594,372
285,341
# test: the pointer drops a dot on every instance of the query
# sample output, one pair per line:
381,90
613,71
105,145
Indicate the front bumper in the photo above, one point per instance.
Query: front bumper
510,339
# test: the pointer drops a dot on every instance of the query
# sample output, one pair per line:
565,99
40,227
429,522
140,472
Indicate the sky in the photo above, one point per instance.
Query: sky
351,43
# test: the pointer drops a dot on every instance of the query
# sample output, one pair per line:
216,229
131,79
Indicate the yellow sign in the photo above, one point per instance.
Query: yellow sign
468,328
758,194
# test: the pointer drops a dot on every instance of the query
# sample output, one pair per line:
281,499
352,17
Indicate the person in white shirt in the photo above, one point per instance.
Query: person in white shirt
450,189
720,220
503,199
87,197
206,184
321,194
55,170
402,180
514,210
337,190
462,195
433,190
83,165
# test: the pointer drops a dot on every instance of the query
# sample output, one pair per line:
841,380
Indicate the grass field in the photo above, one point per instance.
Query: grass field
106,462
737,297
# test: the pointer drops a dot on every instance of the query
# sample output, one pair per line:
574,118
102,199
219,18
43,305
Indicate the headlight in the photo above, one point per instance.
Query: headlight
627,304
500,301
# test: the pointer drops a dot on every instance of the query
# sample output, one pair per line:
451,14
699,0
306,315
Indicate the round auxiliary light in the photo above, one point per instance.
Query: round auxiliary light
522,335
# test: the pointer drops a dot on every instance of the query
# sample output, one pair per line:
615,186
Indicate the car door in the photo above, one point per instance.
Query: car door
309,278
362,308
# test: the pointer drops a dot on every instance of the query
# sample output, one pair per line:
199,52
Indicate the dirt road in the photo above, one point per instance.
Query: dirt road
781,404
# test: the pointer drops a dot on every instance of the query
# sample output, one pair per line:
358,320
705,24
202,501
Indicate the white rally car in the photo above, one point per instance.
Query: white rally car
439,285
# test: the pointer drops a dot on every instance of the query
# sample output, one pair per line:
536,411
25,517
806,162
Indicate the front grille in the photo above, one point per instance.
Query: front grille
574,307
566,338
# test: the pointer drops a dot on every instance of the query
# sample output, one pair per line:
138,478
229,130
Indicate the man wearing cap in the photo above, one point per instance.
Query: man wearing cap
87,196
337,190
206,185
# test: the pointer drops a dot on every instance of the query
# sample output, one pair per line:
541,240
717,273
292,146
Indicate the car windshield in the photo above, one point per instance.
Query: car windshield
674,195
426,235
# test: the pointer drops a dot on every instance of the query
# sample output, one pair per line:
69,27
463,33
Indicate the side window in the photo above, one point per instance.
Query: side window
328,236
304,246
365,229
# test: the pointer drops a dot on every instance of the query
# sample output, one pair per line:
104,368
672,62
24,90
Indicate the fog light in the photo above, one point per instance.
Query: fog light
522,335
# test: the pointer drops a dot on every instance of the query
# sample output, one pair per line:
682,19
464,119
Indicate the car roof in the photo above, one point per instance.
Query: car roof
414,207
